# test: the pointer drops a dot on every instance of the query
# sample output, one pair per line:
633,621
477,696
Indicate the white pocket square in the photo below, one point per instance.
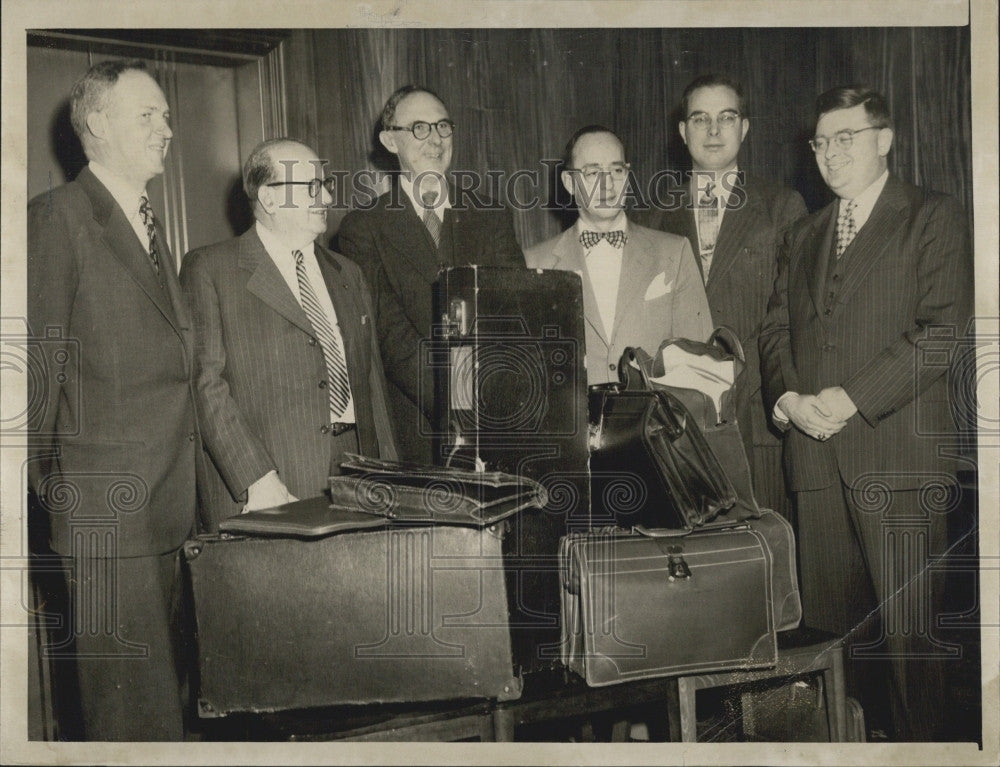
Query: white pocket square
659,286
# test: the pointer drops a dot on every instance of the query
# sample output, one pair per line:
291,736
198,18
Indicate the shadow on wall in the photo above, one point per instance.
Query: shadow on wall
65,145
239,212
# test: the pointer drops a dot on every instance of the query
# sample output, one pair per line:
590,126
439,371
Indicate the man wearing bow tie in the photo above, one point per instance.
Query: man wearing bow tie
289,374
416,228
874,292
640,286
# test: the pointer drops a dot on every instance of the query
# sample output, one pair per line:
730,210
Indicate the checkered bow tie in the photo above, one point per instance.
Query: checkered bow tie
616,239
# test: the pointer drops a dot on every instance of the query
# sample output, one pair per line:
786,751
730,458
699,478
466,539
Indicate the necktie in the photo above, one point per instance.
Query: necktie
431,221
339,387
616,239
146,211
846,229
708,228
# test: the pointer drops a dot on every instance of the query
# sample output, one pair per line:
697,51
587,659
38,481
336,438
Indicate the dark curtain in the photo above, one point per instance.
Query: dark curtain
517,95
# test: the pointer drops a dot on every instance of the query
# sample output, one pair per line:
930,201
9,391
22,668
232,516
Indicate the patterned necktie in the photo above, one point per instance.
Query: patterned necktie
708,228
616,239
339,387
431,221
150,221
846,229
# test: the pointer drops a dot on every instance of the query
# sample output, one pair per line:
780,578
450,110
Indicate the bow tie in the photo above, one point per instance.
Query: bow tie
616,239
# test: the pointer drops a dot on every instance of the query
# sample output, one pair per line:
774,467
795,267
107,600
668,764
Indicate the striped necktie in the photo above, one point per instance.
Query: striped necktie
338,386
431,221
146,211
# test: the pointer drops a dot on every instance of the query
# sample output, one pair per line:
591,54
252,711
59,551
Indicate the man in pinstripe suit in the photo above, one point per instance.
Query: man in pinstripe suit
735,245
289,375
874,290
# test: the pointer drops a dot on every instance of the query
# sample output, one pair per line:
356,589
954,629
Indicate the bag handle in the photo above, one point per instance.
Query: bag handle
726,339
631,372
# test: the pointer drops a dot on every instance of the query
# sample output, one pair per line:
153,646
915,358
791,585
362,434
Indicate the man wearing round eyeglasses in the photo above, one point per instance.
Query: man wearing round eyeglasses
734,221
416,228
852,368
289,372
640,286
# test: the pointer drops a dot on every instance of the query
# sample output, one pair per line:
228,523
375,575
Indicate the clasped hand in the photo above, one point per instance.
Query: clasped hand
821,415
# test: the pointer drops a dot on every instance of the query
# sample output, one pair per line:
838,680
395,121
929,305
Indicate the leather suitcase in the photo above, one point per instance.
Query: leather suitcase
510,372
397,614
636,607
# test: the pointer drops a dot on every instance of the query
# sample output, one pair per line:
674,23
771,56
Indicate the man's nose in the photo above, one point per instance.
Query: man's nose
164,129
713,126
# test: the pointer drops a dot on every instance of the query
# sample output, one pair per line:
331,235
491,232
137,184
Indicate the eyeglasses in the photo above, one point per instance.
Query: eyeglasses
422,130
329,183
702,121
843,139
618,171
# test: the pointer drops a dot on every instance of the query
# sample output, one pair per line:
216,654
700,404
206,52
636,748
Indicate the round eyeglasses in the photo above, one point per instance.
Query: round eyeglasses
702,121
329,184
618,171
843,139
422,130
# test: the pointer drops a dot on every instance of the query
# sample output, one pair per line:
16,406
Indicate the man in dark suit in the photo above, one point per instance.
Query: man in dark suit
640,286
289,374
874,290
414,230
733,221
115,469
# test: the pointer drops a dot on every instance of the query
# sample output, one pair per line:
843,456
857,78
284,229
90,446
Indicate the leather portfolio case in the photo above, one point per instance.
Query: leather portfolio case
390,614
635,606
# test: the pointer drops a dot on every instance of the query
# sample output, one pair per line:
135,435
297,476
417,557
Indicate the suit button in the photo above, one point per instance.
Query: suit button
836,277
191,437
312,341
612,366
828,312
828,347
322,384
325,428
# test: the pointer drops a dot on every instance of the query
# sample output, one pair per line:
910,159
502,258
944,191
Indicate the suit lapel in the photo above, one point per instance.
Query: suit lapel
121,240
406,234
736,222
817,249
872,240
266,282
638,269
568,254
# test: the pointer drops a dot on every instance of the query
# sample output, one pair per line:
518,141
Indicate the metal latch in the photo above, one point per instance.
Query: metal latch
676,565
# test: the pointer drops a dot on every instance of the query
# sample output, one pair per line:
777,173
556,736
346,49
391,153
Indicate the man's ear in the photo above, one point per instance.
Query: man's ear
744,128
388,139
567,181
885,136
266,199
682,127
97,124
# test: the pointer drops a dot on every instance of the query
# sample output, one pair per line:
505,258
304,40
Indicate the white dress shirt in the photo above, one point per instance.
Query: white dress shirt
604,266
281,254
441,204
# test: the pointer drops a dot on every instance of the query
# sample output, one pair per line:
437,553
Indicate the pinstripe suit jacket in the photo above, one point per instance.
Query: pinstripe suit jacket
741,280
118,402
660,295
909,268
259,368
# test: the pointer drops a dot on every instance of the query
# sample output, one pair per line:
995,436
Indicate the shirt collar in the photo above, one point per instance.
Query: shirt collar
620,223
126,195
277,249
442,203
864,203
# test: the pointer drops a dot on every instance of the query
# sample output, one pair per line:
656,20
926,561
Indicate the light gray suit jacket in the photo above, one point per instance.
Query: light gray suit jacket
660,295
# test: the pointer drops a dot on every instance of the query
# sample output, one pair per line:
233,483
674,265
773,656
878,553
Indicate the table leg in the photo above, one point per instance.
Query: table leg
503,725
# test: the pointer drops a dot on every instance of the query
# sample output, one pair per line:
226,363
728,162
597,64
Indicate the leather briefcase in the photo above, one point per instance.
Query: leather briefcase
390,614
636,607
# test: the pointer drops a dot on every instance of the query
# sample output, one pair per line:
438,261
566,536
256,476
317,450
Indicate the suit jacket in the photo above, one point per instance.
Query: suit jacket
909,268
741,279
660,295
394,248
115,403
259,368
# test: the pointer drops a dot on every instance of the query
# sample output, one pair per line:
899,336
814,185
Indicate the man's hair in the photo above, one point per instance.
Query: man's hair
851,96
259,169
709,81
90,92
389,110
585,131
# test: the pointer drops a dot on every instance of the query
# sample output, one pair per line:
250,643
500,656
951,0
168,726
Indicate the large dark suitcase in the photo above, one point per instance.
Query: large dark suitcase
396,614
636,607
512,388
